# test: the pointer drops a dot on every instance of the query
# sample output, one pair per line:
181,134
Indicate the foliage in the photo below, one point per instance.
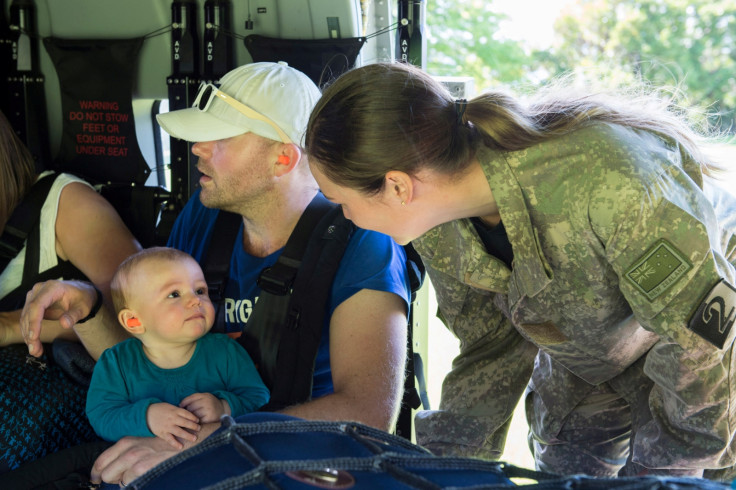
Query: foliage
687,45
462,41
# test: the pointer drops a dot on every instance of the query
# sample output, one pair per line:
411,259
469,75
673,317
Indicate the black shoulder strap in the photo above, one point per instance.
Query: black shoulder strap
285,327
23,228
216,262
414,393
302,332
17,297
415,269
279,278
25,216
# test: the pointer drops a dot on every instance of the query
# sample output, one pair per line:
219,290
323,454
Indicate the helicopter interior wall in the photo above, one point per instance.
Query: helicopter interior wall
114,19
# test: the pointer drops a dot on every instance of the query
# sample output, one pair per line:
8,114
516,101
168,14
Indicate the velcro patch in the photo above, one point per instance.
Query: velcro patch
715,316
658,269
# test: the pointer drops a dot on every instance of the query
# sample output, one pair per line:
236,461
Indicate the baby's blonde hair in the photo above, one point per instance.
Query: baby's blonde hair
121,279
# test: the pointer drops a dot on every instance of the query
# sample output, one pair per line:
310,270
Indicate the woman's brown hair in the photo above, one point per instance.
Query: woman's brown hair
394,116
17,170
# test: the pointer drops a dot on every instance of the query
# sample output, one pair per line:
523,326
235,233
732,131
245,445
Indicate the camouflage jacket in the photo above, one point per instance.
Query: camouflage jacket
619,253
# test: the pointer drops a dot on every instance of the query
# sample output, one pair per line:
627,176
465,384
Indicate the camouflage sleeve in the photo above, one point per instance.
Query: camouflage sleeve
494,364
675,266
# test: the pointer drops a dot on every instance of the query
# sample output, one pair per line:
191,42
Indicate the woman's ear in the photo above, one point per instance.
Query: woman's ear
399,187
130,322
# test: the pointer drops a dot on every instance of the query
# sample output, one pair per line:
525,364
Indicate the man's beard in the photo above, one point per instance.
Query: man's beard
211,198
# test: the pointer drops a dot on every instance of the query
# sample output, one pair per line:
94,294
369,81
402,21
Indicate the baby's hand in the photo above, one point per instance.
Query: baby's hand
169,422
206,406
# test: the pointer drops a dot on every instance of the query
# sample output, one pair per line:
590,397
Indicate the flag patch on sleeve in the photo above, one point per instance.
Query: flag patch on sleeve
715,315
658,269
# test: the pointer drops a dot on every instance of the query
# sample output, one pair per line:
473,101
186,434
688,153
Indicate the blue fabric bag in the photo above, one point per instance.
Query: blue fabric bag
274,451
267,450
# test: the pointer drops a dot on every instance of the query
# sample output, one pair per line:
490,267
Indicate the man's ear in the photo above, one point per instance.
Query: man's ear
399,187
288,158
130,322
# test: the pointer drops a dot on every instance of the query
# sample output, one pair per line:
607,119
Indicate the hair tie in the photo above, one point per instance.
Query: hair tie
460,105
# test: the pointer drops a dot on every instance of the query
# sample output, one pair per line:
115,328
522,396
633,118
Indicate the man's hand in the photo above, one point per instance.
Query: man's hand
206,406
129,458
170,422
65,301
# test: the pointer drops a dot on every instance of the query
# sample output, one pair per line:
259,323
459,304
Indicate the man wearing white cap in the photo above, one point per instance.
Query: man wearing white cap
247,134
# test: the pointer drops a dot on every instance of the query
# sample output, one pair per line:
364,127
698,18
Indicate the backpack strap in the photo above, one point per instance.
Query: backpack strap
302,332
216,263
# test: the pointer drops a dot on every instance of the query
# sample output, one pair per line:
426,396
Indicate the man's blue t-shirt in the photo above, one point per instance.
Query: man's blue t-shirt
371,261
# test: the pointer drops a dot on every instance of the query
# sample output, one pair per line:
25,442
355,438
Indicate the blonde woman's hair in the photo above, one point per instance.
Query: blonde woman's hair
394,116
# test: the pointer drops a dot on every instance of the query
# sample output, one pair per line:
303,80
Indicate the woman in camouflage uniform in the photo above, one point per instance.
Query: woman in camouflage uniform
581,225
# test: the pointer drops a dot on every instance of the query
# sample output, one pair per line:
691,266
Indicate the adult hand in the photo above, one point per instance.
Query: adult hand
65,301
129,458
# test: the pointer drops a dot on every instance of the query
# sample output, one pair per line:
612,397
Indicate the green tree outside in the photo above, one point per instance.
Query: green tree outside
689,46
462,41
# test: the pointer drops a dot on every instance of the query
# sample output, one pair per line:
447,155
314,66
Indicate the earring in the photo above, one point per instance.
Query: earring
403,203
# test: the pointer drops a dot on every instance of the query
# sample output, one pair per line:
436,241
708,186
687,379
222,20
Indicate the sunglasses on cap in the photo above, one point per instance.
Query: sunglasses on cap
207,93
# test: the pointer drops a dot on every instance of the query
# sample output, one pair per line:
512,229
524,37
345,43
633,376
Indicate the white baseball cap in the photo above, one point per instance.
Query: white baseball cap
284,95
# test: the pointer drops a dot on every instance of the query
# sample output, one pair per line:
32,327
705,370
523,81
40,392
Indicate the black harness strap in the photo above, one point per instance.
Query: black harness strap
293,368
285,326
415,395
23,228
25,216
273,311
16,298
216,263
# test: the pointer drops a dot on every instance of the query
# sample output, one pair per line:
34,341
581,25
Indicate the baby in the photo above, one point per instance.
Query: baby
172,375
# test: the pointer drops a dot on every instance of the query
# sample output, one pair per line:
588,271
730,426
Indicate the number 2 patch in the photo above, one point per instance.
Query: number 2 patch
715,316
